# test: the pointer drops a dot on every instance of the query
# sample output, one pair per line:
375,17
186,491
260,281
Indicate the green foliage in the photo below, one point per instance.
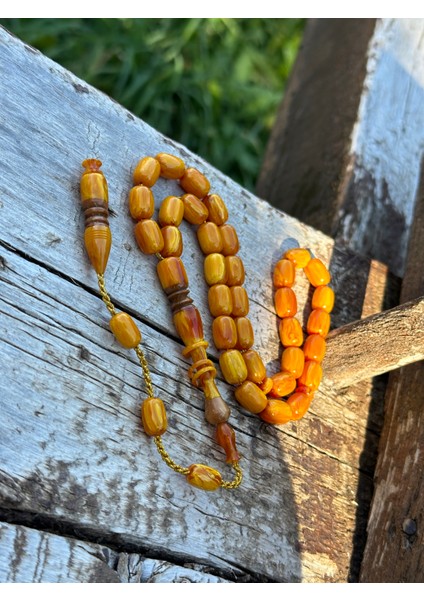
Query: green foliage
212,84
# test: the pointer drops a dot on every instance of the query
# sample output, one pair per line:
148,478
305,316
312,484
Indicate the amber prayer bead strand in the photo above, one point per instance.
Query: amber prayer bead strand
97,238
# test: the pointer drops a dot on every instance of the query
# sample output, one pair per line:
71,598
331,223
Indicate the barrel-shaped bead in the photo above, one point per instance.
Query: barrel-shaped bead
204,477
171,166
230,242
141,202
215,269
194,182
224,332
314,347
323,297
299,404
171,211
285,302
318,322
293,361
317,273
256,371
171,272
218,212
235,270
220,300
188,324
98,241
172,241
311,376
251,397
195,212
245,335
276,412
290,331
240,301
226,438
284,273
93,183
283,384
153,416
125,330
148,236
147,171
216,410
209,238
233,367
266,385
298,256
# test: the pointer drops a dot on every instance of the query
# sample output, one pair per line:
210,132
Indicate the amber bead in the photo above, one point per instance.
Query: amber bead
317,272
311,376
172,241
148,236
209,237
314,347
284,273
256,371
276,412
233,367
293,361
240,301
298,256
266,385
230,243
235,270
224,332
299,404
285,302
318,322
215,269
251,397
220,300
147,171
216,410
204,477
188,324
171,272
125,330
218,212
171,211
195,212
93,183
153,416
290,332
226,438
141,202
245,335
194,182
98,240
171,167
323,297
283,383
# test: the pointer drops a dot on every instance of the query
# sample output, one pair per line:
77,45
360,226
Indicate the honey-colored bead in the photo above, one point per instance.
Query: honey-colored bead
171,272
317,272
224,332
171,166
93,183
141,202
195,212
226,438
98,241
215,269
220,300
245,335
293,361
283,383
251,397
298,256
125,330
153,416
172,241
235,270
204,477
209,238
188,324
148,236
284,273
299,404
285,302
318,322
171,211
314,347
233,367
256,371
240,301
216,410
218,212
266,385
194,182
311,376
147,171
276,412
323,297
290,332
230,242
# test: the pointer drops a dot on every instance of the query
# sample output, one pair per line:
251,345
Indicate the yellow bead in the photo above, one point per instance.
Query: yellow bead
233,367
209,237
240,301
235,270
298,256
218,212
323,297
147,171
290,332
256,371
171,273
284,273
172,241
148,236
215,269
171,211
125,330
251,397
204,477
98,241
171,167
220,300
195,212
317,272
230,243
141,202
93,184
245,336
188,324
224,332
153,416
194,182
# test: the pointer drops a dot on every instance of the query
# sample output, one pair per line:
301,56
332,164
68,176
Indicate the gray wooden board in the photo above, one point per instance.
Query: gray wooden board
71,443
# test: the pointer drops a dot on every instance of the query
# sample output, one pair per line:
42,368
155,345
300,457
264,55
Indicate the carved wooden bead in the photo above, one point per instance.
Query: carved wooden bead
230,242
224,332
284,273
209,237
256,371
283,384
226,438
141,202
314,347
251,397
194,182
276,412
323,297
240,301
195,212
93,183
125,330
172,241
285,302
218,212
233,367
290,332
147,171
293,361
171,166
245,335
220,300
171,211
215,269
98,241
317,273
216,410
153,416
299,404
311,376
318,322
148,236
188,324
235,270
204,477
171,272
298,256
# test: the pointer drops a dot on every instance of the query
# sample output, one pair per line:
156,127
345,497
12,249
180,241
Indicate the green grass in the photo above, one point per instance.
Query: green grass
212,84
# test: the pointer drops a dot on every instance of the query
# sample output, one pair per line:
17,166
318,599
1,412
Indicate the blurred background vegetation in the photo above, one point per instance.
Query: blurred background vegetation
212,84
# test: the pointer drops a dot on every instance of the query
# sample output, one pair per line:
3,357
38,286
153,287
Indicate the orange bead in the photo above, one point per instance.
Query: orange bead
148,236
299,404
171,211
224,332
293,361
220,300
93,183
230,243
98,241
194,182
256,371
240,301
233,367
125,330
172,241
251,397
195,212
284,273
323,297
204,477
147,171
218,212
141,202
245,335
215,269
266,385
209,238
188,324
318,322
311,376
171,167
276,412
226,438
171,272
314,347
235,270
283,384
290,332
317,272
153,416
298,256
285,302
